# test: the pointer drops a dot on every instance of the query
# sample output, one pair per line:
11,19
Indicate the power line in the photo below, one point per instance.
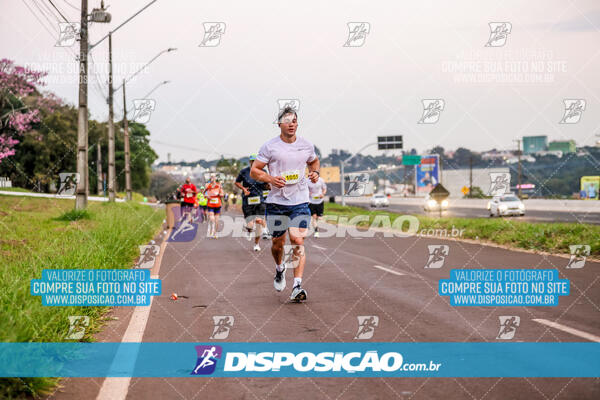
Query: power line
71,5
61,14
39,20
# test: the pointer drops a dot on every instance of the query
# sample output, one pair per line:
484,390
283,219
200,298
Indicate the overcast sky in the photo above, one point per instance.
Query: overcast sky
223,99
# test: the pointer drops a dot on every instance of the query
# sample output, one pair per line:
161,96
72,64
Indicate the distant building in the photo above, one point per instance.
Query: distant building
566,146
455,179
534,144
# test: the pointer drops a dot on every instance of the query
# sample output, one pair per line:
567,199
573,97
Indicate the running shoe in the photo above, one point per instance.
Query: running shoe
298,294
248,233
256,247
279,281
316,234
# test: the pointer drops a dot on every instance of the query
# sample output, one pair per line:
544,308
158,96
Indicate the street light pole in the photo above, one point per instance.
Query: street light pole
82,116
126,141
111,127
519,173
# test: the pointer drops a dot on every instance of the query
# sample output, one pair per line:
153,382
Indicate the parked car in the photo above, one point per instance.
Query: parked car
507,204
379,200
432,205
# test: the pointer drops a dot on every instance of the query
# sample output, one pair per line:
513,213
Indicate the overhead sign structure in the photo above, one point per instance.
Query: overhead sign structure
428,174
389,142
411,160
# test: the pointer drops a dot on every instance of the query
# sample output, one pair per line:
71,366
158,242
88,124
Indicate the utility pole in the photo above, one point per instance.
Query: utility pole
471,176
519,173
111,127
99,166
126,140
82,116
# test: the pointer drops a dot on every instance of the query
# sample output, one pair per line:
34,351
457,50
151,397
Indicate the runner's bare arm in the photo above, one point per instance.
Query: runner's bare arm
239,185
313,166
257,173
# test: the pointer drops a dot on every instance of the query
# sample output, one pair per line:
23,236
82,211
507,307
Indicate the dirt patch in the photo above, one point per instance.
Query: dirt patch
13,242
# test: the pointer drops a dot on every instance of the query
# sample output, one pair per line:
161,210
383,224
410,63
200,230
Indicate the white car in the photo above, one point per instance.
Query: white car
379,200
507,204
432,205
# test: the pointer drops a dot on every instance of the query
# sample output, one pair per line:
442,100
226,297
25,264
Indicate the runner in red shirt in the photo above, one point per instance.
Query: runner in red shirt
188,192
214,193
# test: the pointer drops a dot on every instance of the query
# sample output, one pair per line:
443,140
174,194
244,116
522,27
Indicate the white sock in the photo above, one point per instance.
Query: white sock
297,282
279,267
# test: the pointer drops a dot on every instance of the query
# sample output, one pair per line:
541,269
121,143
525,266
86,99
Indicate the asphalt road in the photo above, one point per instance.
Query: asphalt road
530,215
345,278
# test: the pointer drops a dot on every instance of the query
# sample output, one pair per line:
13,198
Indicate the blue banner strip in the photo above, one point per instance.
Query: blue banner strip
300,359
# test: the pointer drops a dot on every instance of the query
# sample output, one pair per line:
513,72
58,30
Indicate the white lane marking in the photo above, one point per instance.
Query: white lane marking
116,388
572,331
391,271
318,247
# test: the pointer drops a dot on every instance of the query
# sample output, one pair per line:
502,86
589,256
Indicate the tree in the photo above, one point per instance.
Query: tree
21,105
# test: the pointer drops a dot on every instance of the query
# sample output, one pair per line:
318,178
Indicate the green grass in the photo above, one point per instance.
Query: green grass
548,237
37,234
15,189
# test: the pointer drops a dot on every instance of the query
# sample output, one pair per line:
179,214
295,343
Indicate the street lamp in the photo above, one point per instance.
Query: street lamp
126,136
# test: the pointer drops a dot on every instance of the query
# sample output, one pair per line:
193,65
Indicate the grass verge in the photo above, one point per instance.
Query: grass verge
37,234
547,237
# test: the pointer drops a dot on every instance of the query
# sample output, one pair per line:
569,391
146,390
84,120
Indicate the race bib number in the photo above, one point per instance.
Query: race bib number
265,193
254,200
291,177
188,194
214,201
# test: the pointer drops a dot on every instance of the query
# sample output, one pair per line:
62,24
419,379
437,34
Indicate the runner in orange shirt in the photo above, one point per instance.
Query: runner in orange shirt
214,193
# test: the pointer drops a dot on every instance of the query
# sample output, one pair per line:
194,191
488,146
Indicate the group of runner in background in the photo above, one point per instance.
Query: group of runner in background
278,196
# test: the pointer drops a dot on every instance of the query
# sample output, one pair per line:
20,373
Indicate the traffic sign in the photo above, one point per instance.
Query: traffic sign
439,193
389,142
411,160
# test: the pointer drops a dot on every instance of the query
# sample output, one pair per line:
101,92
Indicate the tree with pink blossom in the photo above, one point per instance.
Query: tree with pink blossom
21,104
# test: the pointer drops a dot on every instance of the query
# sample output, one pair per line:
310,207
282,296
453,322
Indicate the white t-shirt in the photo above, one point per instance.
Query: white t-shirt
315,190
288,160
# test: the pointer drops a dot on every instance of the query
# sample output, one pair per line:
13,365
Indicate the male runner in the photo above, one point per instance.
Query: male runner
253,205
287,156
214,192
188,192
316,201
